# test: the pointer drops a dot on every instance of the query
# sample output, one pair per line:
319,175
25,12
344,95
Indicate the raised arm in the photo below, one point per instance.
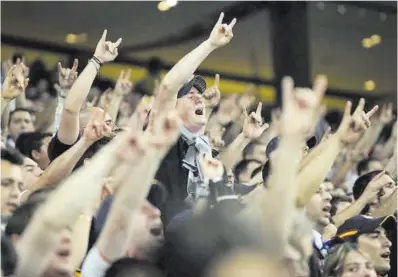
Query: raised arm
147,151
71,199
63,165
106,51
253,128
350,131
122,88
14,84
183,70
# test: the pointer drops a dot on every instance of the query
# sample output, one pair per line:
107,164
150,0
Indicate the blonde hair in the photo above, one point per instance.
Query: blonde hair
334,263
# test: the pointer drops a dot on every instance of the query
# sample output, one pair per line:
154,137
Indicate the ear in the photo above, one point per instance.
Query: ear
35,155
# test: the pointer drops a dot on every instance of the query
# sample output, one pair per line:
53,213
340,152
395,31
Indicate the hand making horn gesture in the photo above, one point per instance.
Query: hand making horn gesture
253,125
123,85
300,106
106,51
221,33
352,126
15,82
97,127
67,76
212,95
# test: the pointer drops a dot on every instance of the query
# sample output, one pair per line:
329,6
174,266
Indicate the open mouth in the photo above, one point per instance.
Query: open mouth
327,209
199,111
156,231
13,206
385,255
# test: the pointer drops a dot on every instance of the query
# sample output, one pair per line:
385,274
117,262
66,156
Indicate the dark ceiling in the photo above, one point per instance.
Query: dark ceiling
335,38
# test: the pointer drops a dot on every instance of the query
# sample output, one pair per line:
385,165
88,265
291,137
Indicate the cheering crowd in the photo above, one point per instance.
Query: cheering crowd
185,183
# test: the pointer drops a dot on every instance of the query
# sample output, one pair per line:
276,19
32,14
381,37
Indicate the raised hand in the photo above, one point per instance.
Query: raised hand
221,33
301,106
163,131
248,98
372,190
123,85
212,169
107,51
15,82
105,98
228,110
212,95
386,115
253,126
97,127
352,126
67,76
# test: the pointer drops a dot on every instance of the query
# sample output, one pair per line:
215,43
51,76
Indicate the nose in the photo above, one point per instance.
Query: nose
385,241
366,272
327,196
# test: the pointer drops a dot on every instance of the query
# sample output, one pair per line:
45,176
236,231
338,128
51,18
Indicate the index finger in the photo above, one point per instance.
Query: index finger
232,24
320,86
75,64
217,80
259,108
287,89
219,21
372,111
59,66
128,75
103,37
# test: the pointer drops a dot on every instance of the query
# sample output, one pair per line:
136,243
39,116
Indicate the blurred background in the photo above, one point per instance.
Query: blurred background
353,43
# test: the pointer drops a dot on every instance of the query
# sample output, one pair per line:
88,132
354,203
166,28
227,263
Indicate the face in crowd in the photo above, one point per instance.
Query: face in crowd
192,110
20,122
41,156
11,187
31,172
319,206
348,261
377,246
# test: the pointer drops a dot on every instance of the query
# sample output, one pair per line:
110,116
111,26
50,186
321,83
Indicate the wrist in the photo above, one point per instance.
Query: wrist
97,60
5,100
210,45
85,143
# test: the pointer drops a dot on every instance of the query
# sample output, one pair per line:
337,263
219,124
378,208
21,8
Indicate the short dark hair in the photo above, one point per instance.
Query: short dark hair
27,142
21,217
362,182
242,166
19,110
11,155
249,149
9,256
126,267
92,150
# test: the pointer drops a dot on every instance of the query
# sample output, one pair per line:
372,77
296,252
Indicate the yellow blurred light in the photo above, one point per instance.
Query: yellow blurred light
171,3
367,43
71,38
163,6
369,85
376,39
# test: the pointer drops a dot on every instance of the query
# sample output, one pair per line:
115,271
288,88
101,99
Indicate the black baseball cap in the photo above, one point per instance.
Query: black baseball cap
197,82
362,224
274,143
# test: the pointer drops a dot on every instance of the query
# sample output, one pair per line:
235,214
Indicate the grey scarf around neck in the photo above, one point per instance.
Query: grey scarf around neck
197,144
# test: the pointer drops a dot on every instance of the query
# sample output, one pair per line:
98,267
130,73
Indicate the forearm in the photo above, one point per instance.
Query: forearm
4,104
179,75
20,101
46,118
114,106
388,148
80,89
352,210
315,172
63,165
58,112
116,235
281,192
80,238
370,138
233,153
314,153
341,171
